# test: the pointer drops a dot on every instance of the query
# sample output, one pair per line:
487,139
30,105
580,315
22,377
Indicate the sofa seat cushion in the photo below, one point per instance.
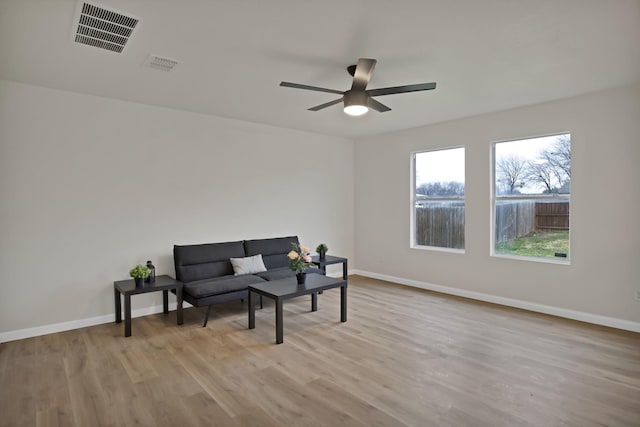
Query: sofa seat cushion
277,273
220,285
315,270
283,273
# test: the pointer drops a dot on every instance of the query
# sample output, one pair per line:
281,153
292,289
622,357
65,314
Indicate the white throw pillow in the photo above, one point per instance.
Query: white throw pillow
248,265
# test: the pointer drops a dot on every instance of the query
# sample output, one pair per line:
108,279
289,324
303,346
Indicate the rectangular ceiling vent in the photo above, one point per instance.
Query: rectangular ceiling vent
102,28
160,63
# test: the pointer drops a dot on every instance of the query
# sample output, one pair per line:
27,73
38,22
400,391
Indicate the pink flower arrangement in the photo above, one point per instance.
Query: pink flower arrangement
299,258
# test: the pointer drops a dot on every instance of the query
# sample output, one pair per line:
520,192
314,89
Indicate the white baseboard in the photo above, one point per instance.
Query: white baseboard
91,321
82,323
540,308
596,319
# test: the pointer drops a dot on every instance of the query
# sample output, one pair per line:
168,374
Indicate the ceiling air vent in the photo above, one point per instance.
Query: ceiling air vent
160,63
102,28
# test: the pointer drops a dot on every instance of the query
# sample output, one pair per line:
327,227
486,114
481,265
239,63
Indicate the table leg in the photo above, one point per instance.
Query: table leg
324,269
344,270
343,303
165,301
127,315
314,302
116,294
252,312
179,305
279,326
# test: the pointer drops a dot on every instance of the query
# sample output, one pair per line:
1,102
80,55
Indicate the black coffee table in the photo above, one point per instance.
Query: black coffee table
284,289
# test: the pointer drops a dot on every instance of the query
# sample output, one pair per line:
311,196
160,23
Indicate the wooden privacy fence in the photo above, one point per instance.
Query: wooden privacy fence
440,224
552,215
514,218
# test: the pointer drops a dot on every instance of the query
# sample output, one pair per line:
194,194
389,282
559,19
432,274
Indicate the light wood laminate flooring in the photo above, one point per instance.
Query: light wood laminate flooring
405,357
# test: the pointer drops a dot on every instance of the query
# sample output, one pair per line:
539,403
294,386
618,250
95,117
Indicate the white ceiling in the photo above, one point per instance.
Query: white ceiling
485,55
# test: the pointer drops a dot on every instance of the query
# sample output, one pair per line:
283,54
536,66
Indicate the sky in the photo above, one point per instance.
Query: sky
448,164
440,166
526,149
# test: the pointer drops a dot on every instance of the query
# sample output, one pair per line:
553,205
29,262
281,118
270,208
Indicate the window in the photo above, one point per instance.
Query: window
531,189
438,199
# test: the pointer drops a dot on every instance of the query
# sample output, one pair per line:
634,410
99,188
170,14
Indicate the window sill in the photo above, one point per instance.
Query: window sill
559,261
437,249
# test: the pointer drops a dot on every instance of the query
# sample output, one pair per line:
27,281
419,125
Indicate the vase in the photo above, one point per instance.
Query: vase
323,254
152,276
139,281
301,278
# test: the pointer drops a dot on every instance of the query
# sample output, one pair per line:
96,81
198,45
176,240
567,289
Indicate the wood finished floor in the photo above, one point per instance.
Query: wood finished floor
406,357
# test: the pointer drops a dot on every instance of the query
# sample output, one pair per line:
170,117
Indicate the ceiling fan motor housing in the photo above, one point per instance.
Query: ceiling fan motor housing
356,97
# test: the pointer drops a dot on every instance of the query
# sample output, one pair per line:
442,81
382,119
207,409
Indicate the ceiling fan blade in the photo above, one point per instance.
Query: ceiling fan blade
317,89
401,89
362,75
327,104
378,106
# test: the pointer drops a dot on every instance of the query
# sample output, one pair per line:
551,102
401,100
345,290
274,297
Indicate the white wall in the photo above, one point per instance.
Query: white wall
605,208
91,186
77,209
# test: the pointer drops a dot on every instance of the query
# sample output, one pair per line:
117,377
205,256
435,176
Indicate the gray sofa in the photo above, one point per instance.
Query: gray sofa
208,275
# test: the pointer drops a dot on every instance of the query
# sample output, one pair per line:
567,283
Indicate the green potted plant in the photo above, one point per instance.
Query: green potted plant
139,273
322,250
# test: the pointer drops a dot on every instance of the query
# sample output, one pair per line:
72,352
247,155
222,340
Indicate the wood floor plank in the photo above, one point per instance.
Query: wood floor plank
333,395
203,410
406,357
55,416
300,406
88,402
16,392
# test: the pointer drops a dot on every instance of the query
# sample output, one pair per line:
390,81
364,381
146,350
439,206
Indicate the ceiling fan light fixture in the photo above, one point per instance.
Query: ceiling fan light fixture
355,110
356,103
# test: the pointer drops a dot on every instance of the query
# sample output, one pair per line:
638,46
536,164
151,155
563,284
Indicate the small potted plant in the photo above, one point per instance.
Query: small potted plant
322,250
139,273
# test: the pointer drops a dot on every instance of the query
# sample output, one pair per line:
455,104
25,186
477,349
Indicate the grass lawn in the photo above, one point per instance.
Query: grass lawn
537,244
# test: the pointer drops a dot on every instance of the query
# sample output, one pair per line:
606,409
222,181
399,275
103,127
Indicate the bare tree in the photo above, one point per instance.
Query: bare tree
553,168
541,173
560,157
512,173
562,162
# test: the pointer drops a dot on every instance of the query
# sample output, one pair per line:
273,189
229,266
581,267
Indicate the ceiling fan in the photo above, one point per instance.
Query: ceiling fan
359,99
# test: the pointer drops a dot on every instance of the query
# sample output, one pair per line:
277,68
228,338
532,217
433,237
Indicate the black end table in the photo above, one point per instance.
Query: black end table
283,289
328,260
127,288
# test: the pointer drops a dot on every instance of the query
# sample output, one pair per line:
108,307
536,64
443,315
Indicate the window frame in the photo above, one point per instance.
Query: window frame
414,199
494,198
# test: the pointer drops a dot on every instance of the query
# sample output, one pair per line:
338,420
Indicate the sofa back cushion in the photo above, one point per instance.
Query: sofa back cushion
197,262
274,251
